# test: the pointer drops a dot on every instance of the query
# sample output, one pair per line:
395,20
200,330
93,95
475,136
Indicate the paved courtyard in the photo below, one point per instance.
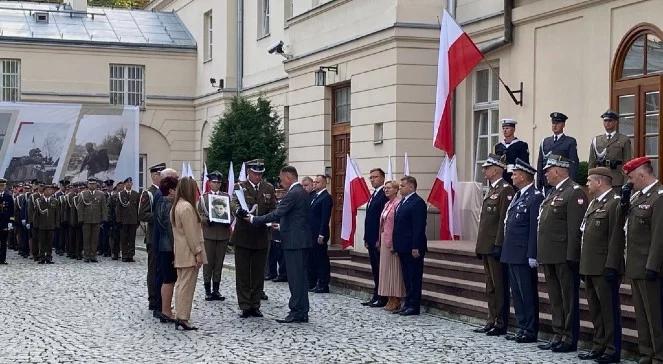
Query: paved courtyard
97,313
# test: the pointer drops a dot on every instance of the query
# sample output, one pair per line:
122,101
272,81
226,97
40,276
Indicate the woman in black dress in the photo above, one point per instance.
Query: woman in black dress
163,240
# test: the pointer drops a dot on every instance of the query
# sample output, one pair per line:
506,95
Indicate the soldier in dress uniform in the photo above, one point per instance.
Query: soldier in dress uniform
489,245
6,218
145,216
58,239
127,216
216,237
611,149
24,232
37,188
644,255
12,231
91,213
115,227
511,147
105,230
251,241
558,251
47,217
557,144
601,264
75,225
63,229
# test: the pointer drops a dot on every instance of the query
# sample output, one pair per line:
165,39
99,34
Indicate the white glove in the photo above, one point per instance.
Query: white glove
9,226
23,222
532,263
27,226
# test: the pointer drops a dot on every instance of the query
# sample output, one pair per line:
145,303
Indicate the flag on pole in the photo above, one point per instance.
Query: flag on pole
439,198
457,57
231,180
189,171
355,194
406,166
184,170
206,186
390,174
242,173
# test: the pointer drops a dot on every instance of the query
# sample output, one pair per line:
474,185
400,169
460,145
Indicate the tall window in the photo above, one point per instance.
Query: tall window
142,167
341,104
637,74
10,80
288,9
207,36
263,18
486,116
127,85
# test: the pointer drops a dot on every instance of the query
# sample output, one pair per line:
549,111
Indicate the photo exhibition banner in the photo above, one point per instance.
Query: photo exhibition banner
52,142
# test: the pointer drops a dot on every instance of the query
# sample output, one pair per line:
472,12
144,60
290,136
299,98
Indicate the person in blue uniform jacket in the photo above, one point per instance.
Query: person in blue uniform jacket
511,147
519,252
6,218
559,144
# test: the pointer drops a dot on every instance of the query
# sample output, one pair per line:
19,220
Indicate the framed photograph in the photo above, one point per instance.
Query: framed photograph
219,208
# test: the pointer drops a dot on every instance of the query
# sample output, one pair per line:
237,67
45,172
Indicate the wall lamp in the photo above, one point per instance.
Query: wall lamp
321,74
213,82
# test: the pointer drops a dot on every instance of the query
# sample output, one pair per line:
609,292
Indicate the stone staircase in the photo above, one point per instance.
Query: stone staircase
454,283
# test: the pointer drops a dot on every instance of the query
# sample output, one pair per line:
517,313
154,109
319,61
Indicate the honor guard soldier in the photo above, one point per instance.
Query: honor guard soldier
489,245
47,217
611,149
511,147
91,213
644,255
37,188
519,252
251,241
63,229
558,251
21,206
601,264
75,226
58,239
12,240
112,220
127,217
145,216
216,237
105,231
6,217
557,144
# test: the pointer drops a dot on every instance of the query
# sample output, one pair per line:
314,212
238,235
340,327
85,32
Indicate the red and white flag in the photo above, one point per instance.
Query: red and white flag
231,180
206,186
355,194
457,56
440,198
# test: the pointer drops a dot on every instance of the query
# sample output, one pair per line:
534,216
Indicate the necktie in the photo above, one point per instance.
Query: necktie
372,196
400,204
555,139
609,136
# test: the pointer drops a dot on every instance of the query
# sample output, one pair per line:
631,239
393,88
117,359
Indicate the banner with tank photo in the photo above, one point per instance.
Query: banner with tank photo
52,142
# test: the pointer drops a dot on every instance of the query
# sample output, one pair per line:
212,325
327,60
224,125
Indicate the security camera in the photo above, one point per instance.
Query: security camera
276,48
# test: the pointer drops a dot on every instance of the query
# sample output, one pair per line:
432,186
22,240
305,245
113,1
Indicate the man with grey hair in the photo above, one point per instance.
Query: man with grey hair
307,183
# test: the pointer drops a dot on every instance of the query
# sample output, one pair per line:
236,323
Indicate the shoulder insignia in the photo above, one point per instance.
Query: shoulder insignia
537,192
505,185
575,187
660,192
617,197
509,197
581,201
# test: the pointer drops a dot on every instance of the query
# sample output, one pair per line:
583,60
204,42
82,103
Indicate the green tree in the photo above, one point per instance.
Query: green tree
247,131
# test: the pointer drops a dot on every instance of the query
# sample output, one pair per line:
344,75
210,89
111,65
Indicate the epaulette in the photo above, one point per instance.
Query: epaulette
537,192
506,185
660,191
576,187
617,197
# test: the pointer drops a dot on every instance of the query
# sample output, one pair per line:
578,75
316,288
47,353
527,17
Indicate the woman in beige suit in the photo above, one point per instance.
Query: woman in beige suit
189,249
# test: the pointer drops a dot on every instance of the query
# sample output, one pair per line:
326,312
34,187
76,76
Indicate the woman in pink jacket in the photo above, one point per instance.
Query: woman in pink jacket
391,276
189,249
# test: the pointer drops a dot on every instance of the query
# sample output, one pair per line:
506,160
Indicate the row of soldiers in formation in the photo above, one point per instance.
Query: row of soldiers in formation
539,216
80,219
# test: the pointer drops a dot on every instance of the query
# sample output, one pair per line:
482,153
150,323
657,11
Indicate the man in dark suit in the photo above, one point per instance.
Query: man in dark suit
6,218
321,208
519,252
292,213
558,144
410,242
372,233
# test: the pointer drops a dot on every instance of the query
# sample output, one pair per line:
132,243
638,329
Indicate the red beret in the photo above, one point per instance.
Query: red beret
634,163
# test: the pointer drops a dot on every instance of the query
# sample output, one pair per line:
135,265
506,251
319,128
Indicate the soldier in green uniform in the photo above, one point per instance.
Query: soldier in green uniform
611,149
558,250
602,264
644,255
91,213
251,241
145,216
47,217
115,227
37,188
489,245
127,217
75,226
216,237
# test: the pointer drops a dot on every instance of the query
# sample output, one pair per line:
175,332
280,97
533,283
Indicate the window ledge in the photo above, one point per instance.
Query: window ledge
263,37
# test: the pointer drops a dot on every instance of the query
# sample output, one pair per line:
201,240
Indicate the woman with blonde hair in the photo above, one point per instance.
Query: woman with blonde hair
391,277
189,249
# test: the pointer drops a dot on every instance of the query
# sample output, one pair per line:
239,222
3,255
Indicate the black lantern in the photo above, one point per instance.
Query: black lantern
321,74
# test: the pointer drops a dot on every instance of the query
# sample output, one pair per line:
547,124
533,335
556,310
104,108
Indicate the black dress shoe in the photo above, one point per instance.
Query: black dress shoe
42,262
313,289
483,329
246,313
513,337
378,303
290,320
605,358
590,355
280,279
321,290
94,260
409,312
256,313
496,331
549,345
397,311
522,339
564,348
114,258
156,313
269,277
369,302
264,297
216,297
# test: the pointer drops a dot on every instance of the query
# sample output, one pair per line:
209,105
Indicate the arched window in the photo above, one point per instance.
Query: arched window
637,78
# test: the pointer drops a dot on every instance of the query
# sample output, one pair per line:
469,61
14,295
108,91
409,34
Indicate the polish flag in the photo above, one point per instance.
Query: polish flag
242,173
457,57
206,186
406,166
355,194
439,198
231,188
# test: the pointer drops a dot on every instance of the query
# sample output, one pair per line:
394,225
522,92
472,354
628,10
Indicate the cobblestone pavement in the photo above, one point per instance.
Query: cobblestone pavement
97,313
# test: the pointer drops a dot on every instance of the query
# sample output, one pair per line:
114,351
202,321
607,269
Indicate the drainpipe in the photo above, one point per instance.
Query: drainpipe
240,45
507,38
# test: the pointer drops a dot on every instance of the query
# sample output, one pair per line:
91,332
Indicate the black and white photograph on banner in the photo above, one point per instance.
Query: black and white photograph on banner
218,208
36,151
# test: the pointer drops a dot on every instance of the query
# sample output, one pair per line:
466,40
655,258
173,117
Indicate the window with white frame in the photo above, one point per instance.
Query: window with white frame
127,84
10,80
142,171
207,36
263,18
486,116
